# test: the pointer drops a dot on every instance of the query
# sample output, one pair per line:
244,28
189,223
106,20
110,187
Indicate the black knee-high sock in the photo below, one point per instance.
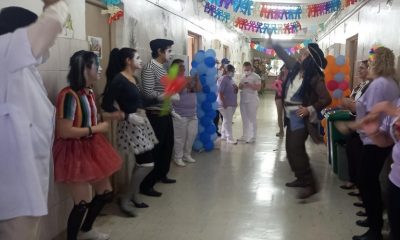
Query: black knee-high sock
95,208
75,220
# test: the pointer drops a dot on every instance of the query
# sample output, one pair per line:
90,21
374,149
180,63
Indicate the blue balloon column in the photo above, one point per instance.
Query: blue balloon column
203,66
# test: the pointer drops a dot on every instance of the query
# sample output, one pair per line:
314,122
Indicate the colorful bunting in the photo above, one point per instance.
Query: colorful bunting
217,12
259,27
316,10
243,6
291,51
270,12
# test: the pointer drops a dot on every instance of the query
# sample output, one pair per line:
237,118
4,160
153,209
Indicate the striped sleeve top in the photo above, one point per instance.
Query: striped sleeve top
79,107
151,76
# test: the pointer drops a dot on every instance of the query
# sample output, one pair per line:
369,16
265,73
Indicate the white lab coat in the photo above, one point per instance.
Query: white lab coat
26,118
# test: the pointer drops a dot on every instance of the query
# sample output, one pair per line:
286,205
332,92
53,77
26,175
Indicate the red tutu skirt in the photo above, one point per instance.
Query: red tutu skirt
84,160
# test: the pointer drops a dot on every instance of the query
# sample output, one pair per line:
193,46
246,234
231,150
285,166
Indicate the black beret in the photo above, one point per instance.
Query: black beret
160,43
12,18
317,55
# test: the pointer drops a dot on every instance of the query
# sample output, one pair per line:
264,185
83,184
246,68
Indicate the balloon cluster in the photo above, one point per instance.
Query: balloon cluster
337,78
173,83
203,67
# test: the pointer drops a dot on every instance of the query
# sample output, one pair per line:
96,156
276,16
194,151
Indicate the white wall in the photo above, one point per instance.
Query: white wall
374,23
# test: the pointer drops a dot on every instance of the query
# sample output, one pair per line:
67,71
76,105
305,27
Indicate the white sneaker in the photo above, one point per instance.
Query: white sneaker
180,163
189,159
231,141
251,140
93,235
223,138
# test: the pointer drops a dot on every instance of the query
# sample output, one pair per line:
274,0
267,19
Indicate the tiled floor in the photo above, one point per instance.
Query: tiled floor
238,193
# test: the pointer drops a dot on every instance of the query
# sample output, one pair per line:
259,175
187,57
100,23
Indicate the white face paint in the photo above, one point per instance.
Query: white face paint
168,54
247,73
137,61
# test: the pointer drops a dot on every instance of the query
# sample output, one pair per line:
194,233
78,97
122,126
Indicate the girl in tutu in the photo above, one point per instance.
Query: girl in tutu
83,158
135,134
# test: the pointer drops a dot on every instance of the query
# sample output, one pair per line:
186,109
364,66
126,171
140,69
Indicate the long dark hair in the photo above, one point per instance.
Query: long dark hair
77,64
310,70
117,63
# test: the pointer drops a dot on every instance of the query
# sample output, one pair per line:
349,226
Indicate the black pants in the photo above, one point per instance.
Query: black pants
216,120
145,157
162,152
373,159
354,148
394,211
296,153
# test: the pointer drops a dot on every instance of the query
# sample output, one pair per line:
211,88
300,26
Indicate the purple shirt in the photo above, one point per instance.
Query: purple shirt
186,106
388,127
381,89
225,86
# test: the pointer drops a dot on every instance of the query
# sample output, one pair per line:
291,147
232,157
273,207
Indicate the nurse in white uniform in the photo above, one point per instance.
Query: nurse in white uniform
26,117
249,86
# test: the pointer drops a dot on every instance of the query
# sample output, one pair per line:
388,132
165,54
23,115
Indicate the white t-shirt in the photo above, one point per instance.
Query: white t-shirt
26,130
247,94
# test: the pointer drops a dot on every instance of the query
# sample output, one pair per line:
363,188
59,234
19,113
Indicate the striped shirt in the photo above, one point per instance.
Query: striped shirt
151,84
78,106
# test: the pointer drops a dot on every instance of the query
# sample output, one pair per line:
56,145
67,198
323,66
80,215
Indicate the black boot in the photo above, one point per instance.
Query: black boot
296,183
75,220
95,207
370,235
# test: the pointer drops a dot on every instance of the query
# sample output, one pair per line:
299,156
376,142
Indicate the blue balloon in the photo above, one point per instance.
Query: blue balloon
210,53
193,72
214,105
198,145
209,62
338,93
202,68
199,57
201,129
200,113
201,97
214,136
212,72
213,88
204,137
211,97
211,114
210,80
339,77
205,121
211,129
209,146
195,64
207,106
340,60
203,80
206,89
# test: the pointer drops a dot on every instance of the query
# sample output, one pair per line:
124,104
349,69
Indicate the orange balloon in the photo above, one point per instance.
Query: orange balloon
347,92
331,60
